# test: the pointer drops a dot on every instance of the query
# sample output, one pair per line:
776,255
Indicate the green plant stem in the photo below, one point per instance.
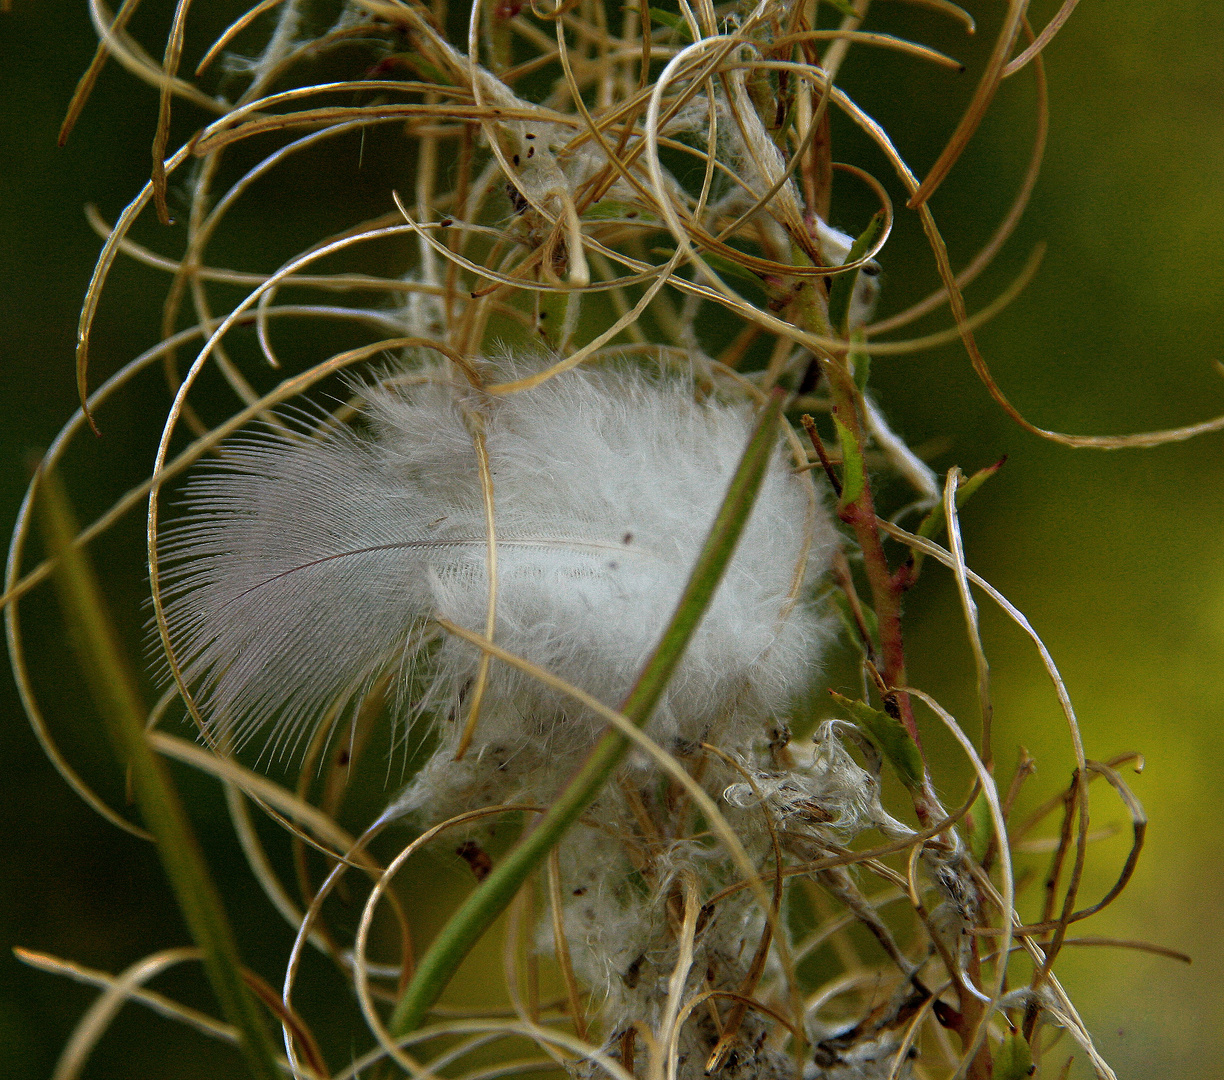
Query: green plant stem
859,511
886,593
859,514
114,688
494,894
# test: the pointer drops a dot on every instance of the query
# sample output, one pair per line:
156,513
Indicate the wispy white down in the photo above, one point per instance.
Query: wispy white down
310,562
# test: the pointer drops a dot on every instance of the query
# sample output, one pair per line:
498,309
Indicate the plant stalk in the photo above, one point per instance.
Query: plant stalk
858,511
114,688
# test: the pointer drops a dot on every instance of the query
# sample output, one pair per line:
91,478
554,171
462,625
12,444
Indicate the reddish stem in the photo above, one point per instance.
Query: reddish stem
860,515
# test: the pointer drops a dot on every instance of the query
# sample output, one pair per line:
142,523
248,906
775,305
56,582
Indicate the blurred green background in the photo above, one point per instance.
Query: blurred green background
1115,556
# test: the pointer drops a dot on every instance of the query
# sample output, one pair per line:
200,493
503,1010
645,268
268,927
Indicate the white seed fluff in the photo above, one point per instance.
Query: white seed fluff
312,562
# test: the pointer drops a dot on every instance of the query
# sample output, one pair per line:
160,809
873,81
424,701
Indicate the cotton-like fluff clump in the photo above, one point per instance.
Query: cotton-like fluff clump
311,563
622,942
824,791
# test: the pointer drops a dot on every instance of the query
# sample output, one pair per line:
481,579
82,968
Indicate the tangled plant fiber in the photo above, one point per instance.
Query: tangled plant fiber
594,541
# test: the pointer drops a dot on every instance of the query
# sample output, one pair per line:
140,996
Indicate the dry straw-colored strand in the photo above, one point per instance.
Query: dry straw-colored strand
631,135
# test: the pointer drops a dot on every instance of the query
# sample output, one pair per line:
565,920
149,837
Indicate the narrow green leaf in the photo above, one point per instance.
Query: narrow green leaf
723,265
845,7
429,71
494,894
676,22
1013,1060
842,288
779,136
860,359
980,827
730,267
610,208
114,688
891,737
842,604
935,522
854,471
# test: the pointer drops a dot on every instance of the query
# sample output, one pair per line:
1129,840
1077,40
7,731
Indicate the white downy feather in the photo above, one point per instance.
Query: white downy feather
309,563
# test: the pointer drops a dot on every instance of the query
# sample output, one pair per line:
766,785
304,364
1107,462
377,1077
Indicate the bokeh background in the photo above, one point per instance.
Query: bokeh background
1116,557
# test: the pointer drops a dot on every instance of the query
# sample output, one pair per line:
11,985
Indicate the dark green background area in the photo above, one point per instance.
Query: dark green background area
1115,557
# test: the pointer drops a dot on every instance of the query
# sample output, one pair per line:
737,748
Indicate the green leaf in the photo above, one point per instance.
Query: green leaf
113,686
854,472
860,359
842,288
935,522
676,22
779,136
609,208
726,267
493,895
729,267
842,604
1013,1060
981,827
431,72
890,735
845,7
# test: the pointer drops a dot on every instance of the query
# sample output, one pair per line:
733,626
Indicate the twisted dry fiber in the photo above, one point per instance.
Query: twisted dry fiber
583,173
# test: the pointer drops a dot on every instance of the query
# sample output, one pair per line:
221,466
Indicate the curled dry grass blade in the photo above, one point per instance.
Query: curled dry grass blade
610,256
